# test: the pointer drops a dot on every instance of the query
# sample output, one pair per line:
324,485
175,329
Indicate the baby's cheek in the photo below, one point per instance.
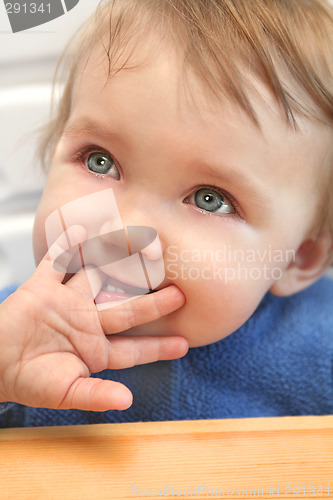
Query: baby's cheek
216,310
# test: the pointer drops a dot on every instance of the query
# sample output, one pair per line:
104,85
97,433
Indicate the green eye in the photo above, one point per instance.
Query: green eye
102,163
212,201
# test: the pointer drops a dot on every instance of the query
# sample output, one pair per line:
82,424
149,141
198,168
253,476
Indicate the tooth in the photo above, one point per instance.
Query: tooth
114,289
131,290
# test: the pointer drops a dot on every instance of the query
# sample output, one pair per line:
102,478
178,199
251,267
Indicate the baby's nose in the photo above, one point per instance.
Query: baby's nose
133,239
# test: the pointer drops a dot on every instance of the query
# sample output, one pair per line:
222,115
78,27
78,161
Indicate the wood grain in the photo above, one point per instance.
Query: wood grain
288,457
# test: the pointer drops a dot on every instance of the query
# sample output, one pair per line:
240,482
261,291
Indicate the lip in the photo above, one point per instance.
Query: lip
127,288
114,290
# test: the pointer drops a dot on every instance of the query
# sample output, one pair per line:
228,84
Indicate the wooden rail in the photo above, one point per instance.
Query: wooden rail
265,458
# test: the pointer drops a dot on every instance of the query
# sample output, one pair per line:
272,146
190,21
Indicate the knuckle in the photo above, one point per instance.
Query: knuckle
156,306
131,317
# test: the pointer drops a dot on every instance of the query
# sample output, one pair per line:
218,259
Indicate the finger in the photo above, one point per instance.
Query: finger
141,310
88,282
126,352
93,394
49,266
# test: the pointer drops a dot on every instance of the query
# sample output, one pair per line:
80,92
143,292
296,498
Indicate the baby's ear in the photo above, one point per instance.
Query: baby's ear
311,261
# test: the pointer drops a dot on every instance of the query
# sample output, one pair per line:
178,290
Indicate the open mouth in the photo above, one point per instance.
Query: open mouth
114,290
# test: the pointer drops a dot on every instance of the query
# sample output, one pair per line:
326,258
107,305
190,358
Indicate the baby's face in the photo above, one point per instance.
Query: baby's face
231,204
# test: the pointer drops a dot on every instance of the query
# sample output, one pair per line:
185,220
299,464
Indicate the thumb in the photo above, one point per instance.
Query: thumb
94,394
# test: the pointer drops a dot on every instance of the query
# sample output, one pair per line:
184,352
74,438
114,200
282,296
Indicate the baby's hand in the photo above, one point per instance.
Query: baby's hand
52,337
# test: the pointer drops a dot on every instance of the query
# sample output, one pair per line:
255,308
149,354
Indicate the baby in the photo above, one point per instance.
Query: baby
210,122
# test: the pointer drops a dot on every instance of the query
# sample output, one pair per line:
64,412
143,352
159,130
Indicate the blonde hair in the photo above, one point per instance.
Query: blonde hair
288,44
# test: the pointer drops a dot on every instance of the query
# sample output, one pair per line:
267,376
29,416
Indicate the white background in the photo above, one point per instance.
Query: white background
27,64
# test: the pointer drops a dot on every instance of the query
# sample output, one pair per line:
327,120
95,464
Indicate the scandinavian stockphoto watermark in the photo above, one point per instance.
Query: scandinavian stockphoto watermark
205,491
227,263
26,14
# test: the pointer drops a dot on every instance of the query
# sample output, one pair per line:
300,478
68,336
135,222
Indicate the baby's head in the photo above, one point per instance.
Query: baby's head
212,122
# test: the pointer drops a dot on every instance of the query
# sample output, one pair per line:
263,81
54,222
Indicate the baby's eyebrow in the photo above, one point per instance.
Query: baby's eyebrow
83,126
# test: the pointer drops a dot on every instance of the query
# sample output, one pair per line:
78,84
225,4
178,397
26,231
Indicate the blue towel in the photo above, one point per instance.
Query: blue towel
280,362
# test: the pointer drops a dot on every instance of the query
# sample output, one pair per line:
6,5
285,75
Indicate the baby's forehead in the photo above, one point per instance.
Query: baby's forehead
251,86
223,41
100,69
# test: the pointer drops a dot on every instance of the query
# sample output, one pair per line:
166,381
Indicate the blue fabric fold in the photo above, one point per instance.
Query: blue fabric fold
280,362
